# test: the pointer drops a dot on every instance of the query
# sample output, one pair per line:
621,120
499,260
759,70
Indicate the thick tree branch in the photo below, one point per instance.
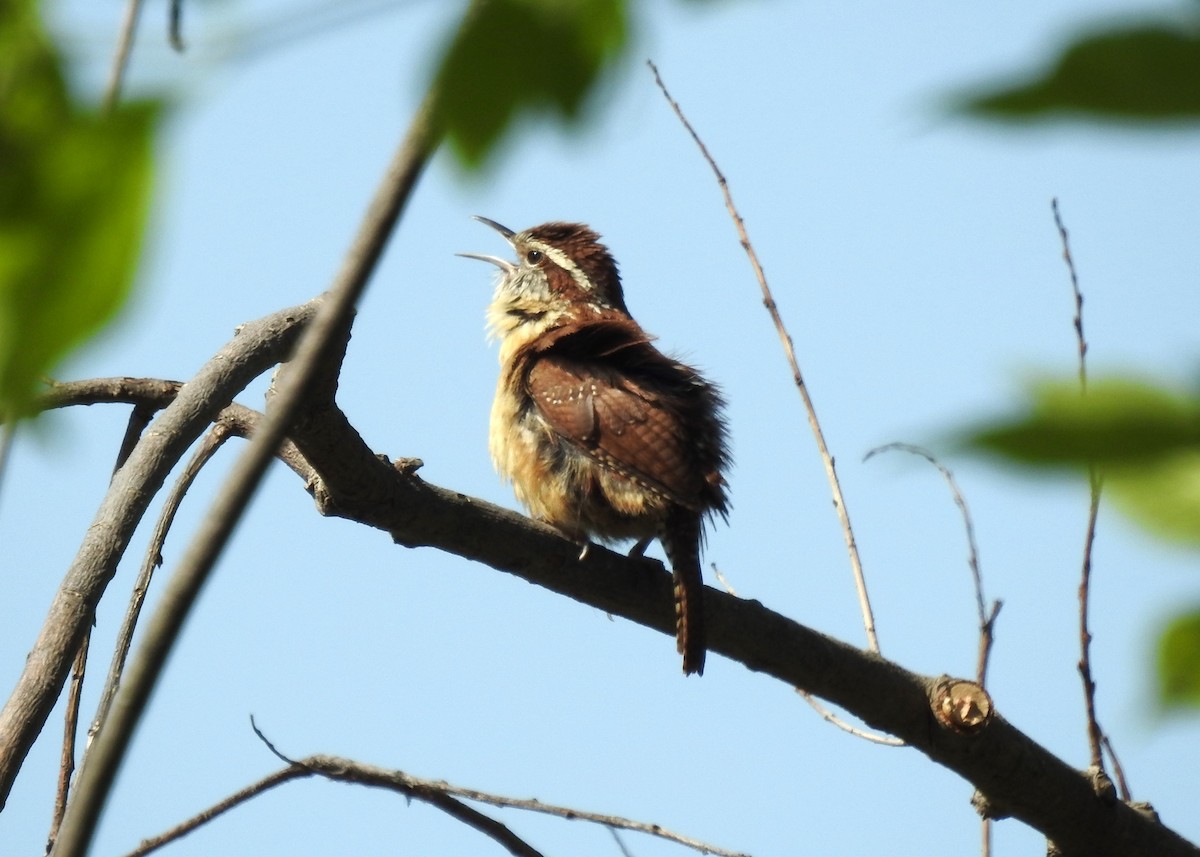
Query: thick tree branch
1019,777
1015,776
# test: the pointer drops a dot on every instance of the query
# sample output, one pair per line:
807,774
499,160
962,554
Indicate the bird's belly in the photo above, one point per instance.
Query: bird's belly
559,483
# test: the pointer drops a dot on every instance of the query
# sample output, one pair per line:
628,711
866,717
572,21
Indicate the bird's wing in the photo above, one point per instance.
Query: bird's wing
615,420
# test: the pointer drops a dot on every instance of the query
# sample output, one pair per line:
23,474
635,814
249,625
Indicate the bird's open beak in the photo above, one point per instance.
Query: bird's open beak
503,230
503,264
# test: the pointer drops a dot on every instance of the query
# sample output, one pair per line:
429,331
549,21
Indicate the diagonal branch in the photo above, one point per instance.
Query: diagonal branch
439,793
1017,776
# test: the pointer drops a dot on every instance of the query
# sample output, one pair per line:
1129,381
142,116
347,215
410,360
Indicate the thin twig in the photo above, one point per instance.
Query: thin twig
180,594
839,501
438,793
1080,339
139,418
625,852
1094,732
987,615
311,767
218,809
722,579
66,765
826,714
1118,771
987,637
269,744
153,559
116,76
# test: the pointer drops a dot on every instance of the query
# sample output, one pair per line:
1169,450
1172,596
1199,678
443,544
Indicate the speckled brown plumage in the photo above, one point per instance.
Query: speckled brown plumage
601,434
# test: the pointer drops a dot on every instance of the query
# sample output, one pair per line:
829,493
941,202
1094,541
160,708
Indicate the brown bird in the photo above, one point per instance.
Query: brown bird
600,433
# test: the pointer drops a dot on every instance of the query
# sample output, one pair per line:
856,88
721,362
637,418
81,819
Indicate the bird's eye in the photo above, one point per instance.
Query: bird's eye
533,257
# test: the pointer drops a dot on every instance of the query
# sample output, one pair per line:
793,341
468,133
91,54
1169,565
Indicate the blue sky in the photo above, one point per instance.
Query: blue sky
915,259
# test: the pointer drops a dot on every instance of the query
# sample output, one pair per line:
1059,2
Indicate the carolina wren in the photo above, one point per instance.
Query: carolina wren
600,433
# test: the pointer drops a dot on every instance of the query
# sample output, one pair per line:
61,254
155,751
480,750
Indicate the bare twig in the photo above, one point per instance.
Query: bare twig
826,714
239,797
1095,484
139,418
625,852
722,579
1094,732
1080,339
116,75
987,615
152,560
839,501
1118,771
66,766
437,793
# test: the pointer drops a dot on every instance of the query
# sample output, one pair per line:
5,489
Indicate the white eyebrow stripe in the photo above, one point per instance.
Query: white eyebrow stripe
565,262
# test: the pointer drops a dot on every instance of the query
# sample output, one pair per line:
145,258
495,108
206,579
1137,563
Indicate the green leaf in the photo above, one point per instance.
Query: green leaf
1118,422
1162,495
1142,73
73,200
1179,662
1142,440
516,57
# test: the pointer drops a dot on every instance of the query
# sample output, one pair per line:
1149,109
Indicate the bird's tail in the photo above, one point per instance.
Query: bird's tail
681,541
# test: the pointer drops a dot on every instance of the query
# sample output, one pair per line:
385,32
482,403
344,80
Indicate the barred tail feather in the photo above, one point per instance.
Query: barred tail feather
681,540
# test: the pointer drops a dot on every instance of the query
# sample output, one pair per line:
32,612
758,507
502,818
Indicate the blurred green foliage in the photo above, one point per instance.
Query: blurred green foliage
74,193
1119,422
1143,440
1136,73
1144,443
516,58
1179,662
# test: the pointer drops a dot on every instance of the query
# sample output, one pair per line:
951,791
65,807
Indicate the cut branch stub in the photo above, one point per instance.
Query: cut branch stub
962,705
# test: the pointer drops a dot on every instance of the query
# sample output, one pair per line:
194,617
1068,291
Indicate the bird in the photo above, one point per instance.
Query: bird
601,434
